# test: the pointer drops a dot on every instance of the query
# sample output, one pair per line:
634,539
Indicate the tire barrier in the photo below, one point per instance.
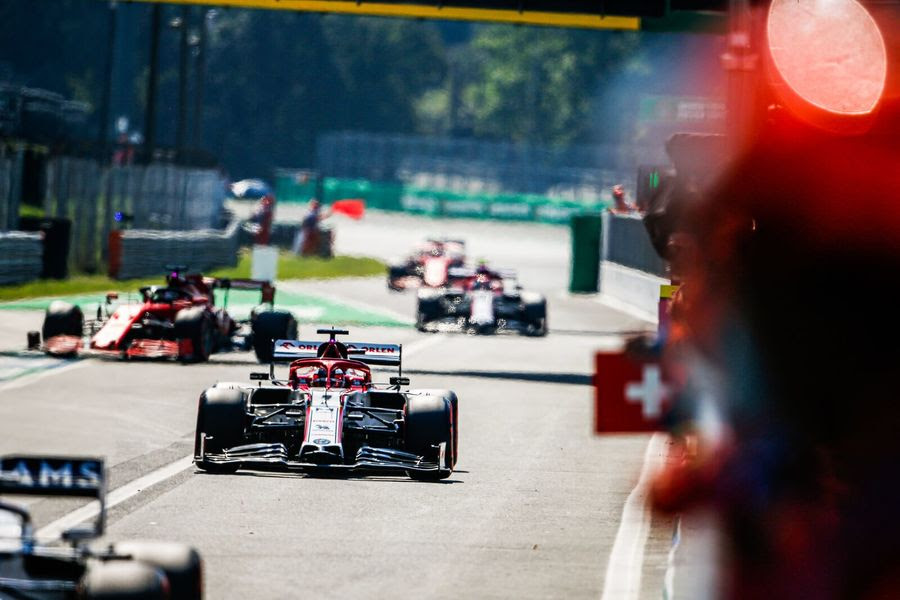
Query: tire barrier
21,256
144,253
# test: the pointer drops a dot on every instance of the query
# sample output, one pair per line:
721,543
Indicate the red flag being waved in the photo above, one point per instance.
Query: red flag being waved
354,208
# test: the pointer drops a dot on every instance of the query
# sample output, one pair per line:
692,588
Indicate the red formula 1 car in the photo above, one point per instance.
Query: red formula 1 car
176,320
428,266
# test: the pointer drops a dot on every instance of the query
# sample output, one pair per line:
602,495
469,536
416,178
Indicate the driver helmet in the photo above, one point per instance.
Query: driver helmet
337,377
320,378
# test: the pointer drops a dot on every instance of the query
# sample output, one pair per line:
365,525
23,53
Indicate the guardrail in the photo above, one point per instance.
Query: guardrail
21,256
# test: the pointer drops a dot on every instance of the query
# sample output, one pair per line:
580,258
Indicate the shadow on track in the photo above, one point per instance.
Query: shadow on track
564,378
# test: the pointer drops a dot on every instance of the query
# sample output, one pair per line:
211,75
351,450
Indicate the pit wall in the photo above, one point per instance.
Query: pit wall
630,271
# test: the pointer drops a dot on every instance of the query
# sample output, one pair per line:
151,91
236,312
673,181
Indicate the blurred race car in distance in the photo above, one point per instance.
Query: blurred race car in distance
429,265
34,570
175,320
328,415
482,301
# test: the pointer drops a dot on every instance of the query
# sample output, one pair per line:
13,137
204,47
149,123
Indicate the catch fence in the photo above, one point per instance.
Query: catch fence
99,200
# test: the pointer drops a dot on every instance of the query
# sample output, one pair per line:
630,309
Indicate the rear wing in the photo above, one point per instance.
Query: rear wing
57,476
266,288
463,272
372,354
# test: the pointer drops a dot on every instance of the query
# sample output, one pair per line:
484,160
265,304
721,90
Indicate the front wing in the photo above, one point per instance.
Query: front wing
268,456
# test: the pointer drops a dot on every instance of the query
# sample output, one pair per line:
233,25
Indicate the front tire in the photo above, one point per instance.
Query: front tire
123,580
62,318
179,563
428,423
220,417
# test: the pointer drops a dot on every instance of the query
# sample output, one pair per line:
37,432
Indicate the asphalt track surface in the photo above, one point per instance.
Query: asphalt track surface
532,511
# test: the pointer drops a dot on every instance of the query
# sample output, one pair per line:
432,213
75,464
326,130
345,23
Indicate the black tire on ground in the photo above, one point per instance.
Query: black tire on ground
269,326
428,309
428,423
535,312
123,580
221,417
451,397
394,273
62,318
179,563
196,324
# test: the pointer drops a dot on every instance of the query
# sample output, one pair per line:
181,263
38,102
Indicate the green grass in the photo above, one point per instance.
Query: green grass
26,210
289,267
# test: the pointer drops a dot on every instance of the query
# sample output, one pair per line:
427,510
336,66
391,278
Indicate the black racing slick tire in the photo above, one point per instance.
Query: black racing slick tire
396,273
428,423
535,314
179,563
196,325
450,397
221,418
428,308
123,580
62,318
269,326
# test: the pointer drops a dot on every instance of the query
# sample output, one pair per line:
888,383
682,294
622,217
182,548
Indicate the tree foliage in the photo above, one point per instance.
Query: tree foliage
275,80
534,84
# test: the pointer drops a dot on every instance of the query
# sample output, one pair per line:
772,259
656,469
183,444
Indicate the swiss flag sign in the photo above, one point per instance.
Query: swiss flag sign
630,394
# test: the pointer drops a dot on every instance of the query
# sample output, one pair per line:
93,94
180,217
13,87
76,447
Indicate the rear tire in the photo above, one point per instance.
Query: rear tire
62,318
428,309
269,326
196,325
429,422
123,580
535,312
179,563
220,416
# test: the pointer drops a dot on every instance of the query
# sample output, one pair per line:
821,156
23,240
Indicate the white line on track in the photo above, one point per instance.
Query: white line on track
32,377
117,496
626,561
55,529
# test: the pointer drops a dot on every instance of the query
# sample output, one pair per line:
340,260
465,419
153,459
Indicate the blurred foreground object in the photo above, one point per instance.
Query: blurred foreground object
828,61
791,307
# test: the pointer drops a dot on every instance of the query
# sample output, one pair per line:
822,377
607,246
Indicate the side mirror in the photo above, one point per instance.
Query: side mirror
398,381
110,296
259,376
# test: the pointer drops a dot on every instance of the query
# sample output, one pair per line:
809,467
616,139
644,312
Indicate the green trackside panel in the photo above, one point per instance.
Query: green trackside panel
421,202
290,189
585,268
470,206
557,211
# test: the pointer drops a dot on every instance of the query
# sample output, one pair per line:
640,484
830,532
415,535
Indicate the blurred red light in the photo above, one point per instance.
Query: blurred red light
828,54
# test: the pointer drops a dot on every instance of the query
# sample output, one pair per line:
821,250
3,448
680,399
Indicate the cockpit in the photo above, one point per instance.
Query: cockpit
314,373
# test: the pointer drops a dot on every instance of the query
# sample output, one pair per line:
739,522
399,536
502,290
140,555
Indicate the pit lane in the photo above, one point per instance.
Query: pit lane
532,511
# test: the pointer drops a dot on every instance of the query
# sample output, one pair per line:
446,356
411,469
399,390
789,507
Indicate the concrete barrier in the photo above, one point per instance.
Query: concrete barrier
630,270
